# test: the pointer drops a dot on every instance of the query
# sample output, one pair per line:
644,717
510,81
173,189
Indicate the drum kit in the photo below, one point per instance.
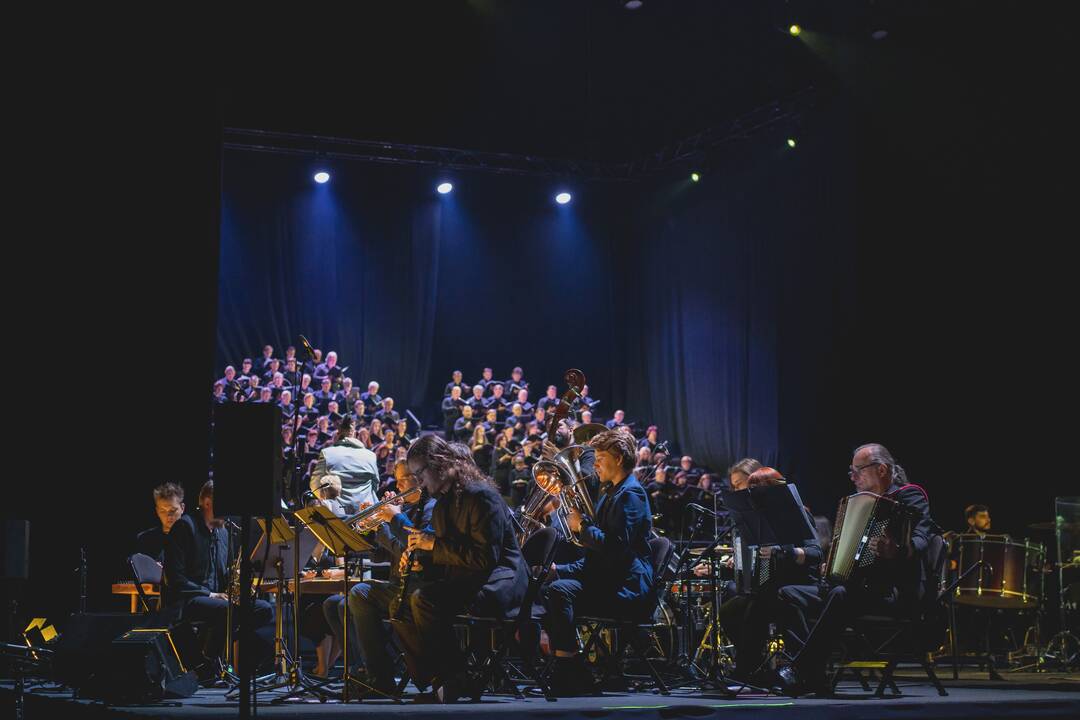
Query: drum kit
1009,577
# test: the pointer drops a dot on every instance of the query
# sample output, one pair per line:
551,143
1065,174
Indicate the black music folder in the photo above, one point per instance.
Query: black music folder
769,515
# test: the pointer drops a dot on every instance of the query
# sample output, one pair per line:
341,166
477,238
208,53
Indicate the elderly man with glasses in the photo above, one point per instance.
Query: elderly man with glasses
891,586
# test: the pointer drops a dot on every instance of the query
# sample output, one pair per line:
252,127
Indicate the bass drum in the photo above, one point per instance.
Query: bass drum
1003,573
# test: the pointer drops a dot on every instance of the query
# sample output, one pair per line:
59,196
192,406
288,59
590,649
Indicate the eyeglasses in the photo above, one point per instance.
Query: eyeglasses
853,471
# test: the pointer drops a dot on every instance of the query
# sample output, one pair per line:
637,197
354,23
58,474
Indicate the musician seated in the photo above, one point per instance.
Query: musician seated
746,617
471,562
196,575
372,601
892,585
739,473
169,507
615,577
978,520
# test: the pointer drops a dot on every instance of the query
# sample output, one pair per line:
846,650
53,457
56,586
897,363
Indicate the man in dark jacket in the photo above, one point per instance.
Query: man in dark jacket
892,585
471,562
616,576
196,573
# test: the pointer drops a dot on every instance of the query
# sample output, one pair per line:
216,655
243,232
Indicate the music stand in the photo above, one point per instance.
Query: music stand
769,515
340,539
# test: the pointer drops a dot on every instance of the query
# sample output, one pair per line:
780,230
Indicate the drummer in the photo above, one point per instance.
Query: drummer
978,520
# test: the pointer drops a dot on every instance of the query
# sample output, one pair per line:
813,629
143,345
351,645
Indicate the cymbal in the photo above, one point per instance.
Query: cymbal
585,433
1051,525
718,550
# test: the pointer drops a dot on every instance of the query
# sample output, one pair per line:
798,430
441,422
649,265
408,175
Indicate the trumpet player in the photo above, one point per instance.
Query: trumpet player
615,577
371,601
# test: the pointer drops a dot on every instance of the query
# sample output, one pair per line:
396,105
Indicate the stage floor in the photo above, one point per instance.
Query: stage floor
1020,696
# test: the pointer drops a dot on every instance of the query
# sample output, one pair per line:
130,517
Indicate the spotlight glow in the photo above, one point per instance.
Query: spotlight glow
322,177
562,198
791,142
795,30
444,188
694,176
633,4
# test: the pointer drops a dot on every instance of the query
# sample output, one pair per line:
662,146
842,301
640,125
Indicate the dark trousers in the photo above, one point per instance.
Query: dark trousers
745,620
834,607
213,611
369,605
566,599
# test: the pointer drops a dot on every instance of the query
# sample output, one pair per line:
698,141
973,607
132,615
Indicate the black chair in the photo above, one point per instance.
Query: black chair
610,638
491,660
877,644
145,570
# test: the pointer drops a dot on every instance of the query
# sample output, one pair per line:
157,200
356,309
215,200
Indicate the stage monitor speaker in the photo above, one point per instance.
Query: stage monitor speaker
84,641
144,665
16,552
247,459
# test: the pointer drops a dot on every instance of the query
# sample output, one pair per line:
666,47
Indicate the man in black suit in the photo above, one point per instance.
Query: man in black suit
196,573
473,549
892,585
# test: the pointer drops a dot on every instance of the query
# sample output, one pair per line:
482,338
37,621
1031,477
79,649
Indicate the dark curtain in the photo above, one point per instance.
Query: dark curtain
352,265
738,287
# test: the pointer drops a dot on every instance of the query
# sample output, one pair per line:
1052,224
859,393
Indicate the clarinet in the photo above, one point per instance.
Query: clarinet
403,579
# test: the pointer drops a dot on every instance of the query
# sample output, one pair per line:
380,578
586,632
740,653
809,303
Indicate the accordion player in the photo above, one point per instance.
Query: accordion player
878,567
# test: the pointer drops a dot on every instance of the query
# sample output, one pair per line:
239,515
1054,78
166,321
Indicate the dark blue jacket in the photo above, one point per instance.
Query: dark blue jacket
617,556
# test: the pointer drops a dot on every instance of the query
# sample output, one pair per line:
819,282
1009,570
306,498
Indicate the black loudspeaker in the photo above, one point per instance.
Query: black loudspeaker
16,549
107,655
84,641
247,459
143,665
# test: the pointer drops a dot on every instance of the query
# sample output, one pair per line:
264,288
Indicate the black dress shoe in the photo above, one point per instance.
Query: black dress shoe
787,680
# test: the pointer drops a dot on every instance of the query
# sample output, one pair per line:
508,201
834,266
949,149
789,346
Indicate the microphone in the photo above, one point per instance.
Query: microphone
231,525
311,493
701,509
307,347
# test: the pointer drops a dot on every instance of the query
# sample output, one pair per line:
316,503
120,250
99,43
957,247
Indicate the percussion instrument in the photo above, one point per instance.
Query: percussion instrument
1009,574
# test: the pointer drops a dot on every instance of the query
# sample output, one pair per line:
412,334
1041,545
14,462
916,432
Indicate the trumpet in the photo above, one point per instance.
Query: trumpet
367,521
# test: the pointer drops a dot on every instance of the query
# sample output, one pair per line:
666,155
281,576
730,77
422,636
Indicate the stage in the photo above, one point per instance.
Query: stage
1047,695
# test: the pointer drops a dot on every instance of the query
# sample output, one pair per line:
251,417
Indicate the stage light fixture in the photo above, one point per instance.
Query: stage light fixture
562,198
322,177
791,142
695,176
795,30
444,188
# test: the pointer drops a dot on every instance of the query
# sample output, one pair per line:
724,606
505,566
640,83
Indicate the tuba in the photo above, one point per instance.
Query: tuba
560,477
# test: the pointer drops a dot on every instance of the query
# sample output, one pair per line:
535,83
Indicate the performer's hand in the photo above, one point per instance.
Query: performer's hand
334,573
219,596
548,450
573,521
307,574
388,511
549,576
419,540
364,505
701,570
728,561
884,547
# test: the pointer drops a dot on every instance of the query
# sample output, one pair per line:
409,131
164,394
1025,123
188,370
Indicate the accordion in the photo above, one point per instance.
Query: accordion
752,572
860,518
